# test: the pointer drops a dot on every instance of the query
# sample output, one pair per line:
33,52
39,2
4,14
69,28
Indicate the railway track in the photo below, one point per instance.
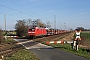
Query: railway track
7,50
50,38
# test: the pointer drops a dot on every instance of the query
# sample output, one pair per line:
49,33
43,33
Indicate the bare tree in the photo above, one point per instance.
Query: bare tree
48,25
28,22
38,23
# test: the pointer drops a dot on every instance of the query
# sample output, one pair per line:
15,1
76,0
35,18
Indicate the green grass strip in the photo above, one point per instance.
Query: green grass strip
22,55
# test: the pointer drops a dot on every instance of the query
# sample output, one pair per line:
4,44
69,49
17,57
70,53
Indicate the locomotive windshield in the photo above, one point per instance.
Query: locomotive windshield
32,29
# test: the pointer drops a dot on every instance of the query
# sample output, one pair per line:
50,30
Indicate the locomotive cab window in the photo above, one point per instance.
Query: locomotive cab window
31,29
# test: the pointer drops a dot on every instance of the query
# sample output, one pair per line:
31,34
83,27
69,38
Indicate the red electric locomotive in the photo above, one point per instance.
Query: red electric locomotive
36,31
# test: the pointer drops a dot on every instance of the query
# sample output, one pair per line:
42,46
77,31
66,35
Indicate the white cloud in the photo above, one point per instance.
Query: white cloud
79,14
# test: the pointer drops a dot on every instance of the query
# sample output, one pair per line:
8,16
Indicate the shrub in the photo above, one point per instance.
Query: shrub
1,36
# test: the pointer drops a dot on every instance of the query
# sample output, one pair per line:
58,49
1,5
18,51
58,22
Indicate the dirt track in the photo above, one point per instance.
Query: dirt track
68,37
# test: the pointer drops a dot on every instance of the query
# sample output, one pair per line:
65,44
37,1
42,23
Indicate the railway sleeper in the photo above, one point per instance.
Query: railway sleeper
4,48
9,50
6,52
9,54
3,52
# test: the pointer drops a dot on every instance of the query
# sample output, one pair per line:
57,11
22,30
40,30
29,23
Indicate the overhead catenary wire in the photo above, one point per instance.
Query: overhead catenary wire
15,10
20,6
15,3
12,9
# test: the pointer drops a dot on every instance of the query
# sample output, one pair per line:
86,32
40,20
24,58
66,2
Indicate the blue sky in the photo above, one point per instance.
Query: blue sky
75,13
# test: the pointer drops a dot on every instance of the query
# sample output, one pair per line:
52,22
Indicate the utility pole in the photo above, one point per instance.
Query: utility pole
5,22
54,21
65,26
5,26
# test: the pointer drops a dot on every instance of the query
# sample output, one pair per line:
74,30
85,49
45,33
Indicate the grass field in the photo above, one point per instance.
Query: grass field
22,55
85,31
86,34
9,33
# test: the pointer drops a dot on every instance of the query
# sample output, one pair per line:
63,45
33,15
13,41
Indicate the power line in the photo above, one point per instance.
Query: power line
19,6
15,3
14,10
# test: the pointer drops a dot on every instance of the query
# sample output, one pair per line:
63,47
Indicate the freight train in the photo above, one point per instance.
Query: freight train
38,31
